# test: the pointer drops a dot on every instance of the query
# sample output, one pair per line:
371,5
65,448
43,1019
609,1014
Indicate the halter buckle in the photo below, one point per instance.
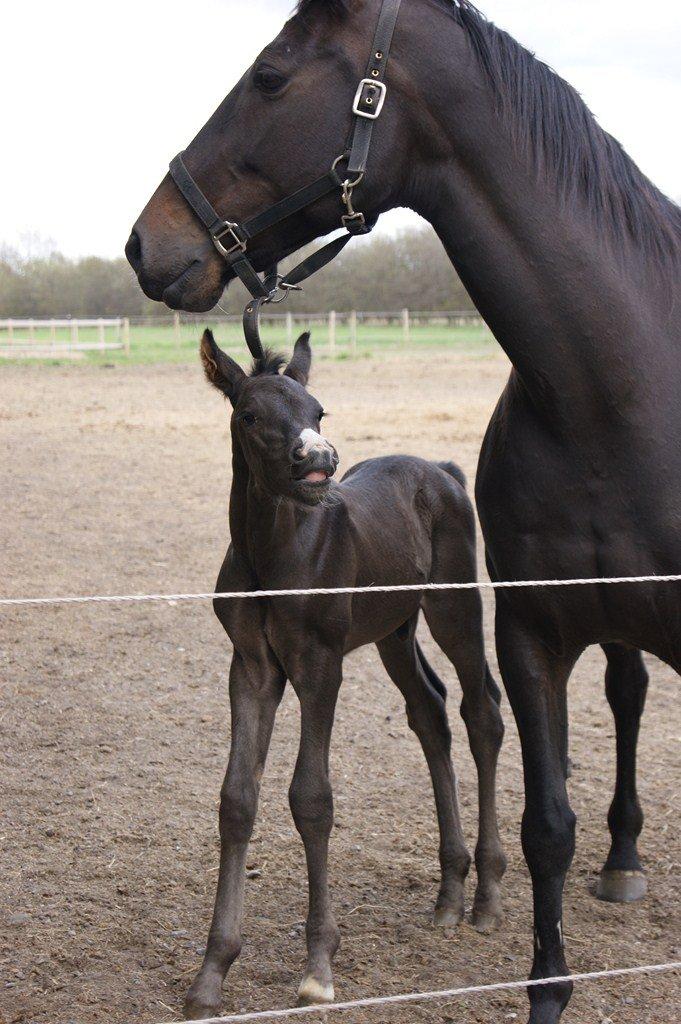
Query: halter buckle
364,98
230,229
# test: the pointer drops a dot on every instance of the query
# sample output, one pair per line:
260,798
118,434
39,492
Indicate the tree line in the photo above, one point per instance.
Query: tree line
409,270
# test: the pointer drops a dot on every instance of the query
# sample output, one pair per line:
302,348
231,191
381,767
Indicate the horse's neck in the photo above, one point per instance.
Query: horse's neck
553,301
562,303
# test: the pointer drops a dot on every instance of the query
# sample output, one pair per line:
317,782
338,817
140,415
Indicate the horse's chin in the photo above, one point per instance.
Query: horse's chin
195,291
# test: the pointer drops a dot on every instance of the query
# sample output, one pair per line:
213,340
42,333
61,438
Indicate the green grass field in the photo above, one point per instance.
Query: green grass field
161,344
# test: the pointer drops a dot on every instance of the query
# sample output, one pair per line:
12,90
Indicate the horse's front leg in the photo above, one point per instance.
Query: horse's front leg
535,680
255,688
317,684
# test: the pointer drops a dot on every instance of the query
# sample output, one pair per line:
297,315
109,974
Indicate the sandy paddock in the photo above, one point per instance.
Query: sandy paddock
114,724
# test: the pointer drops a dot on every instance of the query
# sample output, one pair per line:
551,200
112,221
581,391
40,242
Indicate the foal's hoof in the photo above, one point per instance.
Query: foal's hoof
448,918
314,993
486,921
622,886
204,999
200,1009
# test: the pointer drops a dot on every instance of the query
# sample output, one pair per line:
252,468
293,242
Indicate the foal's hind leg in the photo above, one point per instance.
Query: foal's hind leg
428,718
455,620
626,682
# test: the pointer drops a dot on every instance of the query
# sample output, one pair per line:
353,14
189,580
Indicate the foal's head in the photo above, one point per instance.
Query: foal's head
275,420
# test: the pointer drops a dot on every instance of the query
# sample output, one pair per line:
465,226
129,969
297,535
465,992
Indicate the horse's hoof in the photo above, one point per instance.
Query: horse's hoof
448,918
622,886
314,993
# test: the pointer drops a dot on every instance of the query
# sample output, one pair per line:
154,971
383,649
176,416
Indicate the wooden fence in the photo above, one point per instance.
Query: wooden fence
41,338
404,319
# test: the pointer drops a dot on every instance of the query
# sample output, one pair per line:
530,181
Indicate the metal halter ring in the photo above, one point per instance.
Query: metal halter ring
346,184
284,288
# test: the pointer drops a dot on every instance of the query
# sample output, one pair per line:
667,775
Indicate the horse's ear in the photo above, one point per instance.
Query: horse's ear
301,360
221,371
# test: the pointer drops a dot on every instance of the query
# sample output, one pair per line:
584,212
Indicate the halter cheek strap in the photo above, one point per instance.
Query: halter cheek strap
232,239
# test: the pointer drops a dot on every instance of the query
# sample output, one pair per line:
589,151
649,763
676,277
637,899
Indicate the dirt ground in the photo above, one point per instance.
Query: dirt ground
114,725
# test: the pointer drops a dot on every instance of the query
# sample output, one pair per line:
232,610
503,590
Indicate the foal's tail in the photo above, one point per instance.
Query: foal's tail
430,673
451,469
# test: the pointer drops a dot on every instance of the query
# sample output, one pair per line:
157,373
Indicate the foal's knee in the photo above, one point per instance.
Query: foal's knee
428,718
311,804
237,813
483,719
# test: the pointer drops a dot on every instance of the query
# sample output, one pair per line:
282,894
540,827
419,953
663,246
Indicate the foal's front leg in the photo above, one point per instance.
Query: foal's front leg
256,686
317,684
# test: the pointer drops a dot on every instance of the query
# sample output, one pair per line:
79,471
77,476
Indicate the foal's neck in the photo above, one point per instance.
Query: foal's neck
257,520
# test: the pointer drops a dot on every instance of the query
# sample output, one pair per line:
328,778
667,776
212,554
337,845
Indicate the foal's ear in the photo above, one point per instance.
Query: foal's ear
221,371
301,360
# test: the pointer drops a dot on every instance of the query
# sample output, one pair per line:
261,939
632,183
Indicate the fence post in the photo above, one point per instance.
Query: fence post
176,326
74,332
332,331
10,331
31,331
406,333
100,333
53,337
353,332
289,329
126,335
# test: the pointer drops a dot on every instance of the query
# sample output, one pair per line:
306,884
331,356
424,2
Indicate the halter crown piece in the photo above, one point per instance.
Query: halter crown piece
232,239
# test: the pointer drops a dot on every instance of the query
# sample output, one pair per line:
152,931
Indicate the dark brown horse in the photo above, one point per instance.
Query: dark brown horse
572,256
292,526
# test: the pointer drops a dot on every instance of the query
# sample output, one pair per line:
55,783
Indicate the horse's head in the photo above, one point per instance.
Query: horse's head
276,421
280,128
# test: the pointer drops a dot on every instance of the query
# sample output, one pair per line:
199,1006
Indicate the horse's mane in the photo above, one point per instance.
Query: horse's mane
552,122
560,134
337,8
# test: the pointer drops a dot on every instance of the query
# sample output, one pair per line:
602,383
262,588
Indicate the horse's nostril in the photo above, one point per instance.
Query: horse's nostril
133,251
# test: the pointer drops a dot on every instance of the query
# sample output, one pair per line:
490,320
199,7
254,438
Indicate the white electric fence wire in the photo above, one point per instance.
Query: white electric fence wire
331,591
414,997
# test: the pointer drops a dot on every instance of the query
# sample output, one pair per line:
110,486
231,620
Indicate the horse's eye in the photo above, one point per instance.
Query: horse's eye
321,415
248,418
268,80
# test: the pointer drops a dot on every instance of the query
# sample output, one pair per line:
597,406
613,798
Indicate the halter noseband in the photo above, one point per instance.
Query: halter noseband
231,239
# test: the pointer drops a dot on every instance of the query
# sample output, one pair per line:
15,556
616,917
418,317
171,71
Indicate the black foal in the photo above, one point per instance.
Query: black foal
390,521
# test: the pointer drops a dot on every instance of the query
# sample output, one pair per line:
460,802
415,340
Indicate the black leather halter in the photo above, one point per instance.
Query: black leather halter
232,239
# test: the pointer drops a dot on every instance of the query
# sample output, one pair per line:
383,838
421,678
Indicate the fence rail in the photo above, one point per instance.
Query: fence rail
58,336
340,332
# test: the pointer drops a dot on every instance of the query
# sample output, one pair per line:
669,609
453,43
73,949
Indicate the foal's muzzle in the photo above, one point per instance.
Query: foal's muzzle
317,467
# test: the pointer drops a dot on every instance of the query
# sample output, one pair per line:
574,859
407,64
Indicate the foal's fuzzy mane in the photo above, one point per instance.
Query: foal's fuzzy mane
269,365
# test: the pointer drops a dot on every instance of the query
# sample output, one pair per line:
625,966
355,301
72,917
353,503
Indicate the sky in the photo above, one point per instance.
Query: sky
97,97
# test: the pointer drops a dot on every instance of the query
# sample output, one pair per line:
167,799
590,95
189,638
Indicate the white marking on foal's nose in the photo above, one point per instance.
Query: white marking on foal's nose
312,440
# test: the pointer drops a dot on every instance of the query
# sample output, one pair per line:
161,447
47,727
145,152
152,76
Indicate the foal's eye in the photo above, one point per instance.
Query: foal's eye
321,414
248,418
268,80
